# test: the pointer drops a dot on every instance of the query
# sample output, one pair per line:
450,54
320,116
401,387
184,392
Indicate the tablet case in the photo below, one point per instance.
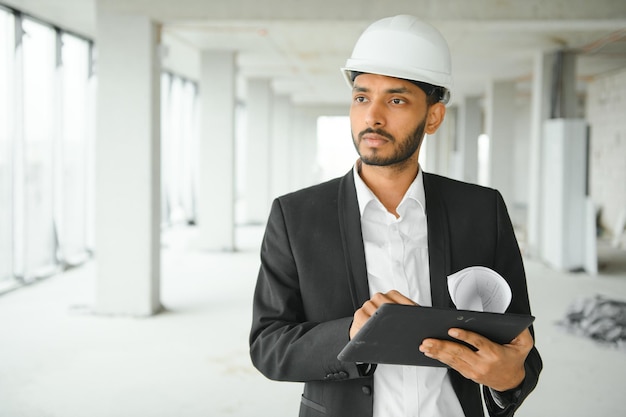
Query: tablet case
394,333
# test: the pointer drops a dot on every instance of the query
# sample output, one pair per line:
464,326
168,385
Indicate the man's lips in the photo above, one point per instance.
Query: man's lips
374,140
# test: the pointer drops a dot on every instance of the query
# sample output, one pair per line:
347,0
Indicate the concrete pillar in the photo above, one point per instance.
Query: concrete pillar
127,152
295,150
539,113
438,154
470,124
447,134
280,143
428,154
309,162
500,117
563,198
216,179
258,152
303,149
563,95
564,176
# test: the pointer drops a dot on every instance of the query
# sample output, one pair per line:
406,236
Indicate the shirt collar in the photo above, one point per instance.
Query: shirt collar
365,196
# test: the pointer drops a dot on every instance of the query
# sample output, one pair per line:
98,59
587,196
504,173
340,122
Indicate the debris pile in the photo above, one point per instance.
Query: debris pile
599,318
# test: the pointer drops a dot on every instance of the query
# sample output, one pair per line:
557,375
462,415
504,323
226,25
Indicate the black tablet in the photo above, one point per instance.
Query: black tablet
395,332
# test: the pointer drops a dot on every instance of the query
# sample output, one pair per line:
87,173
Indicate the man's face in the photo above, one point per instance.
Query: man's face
388,119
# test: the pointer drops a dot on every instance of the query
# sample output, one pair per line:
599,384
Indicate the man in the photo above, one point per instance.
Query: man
387,232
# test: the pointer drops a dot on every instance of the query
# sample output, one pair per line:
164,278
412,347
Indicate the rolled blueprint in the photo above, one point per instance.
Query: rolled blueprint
479,288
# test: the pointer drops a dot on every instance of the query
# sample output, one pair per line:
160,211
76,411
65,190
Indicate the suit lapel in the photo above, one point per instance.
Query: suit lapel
352,240
438,244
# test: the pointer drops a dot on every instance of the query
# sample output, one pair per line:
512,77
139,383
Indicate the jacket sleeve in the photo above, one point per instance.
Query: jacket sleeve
508,262
284,343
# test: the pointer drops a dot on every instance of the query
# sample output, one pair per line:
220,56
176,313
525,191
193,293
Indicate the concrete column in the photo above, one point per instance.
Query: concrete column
451,157
470,124
564,101
563,198
309,162
500,117
216,179
428,154
127,166
539,113
438,155
564,176
280,144
295,150
258,152
303,149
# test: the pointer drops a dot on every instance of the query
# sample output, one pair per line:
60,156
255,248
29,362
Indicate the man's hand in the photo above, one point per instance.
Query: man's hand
370,306
500,367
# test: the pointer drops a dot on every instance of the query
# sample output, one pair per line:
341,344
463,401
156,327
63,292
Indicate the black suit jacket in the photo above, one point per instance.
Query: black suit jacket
313,278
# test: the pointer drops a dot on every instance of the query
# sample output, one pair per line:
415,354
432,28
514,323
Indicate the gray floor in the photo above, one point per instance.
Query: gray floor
59,360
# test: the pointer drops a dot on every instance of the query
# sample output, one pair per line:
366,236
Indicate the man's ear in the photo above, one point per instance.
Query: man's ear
436,113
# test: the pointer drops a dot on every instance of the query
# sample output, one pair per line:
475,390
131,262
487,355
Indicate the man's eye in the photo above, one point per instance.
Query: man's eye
397,101
359,99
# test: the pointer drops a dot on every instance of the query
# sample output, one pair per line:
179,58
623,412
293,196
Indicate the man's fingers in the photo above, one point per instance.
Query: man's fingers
450,353
390,297
397,298
500,367
378,299
471,338
524,340
368,308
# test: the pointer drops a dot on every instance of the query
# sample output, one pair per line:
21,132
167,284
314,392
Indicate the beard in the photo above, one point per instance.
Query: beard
403,150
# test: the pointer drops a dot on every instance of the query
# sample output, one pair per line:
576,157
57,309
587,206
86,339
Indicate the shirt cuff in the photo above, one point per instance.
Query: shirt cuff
366,369
505,398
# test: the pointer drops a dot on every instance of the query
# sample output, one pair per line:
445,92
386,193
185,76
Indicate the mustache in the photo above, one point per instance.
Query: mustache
380,132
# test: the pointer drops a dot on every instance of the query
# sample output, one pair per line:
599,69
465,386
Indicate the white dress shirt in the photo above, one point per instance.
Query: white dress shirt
396,255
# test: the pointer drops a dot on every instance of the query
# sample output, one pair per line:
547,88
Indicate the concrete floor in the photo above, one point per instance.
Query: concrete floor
59,360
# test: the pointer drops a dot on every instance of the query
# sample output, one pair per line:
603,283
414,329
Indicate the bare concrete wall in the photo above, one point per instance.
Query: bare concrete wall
606,112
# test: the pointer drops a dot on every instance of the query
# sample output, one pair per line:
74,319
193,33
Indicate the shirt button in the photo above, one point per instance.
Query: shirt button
367,390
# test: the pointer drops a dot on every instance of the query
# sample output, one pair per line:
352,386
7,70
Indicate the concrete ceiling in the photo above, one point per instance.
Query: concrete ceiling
300,45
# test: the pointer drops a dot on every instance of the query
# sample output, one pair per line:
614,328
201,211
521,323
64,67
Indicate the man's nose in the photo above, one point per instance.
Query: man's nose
375,116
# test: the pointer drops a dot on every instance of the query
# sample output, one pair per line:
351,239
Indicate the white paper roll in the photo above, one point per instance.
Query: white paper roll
479,288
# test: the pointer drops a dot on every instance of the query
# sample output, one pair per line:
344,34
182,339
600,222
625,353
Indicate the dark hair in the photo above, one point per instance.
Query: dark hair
434,93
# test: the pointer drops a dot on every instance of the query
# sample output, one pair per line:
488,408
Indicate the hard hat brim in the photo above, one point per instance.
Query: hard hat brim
394,73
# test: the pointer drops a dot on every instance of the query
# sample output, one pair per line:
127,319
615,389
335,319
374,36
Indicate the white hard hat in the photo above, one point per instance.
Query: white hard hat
402,47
